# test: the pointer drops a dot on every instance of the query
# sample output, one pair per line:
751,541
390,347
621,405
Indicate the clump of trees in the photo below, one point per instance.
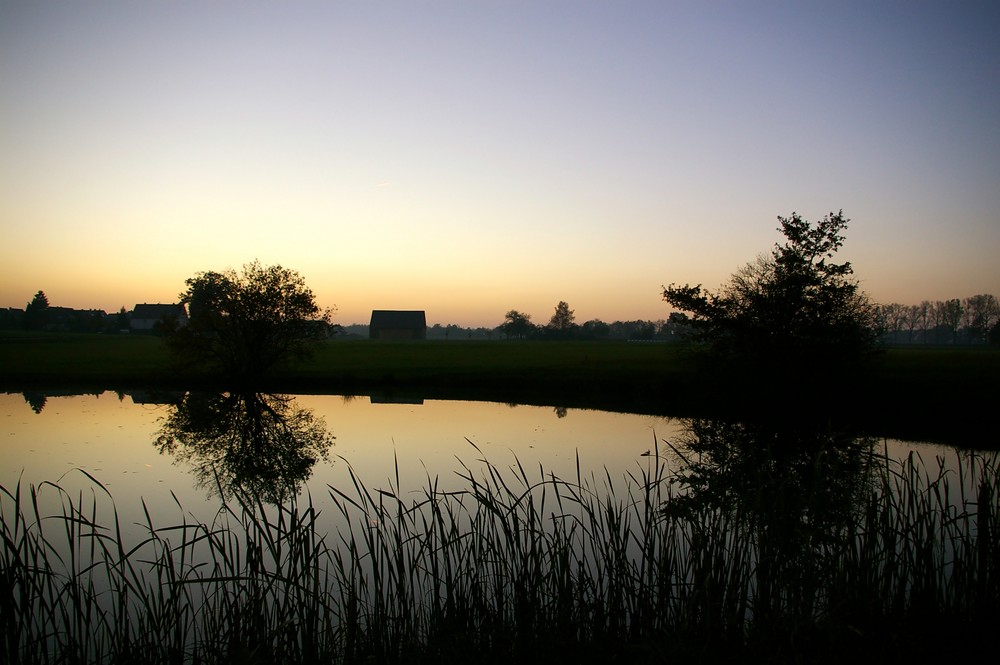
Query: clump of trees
972,320
244,325
453,331
562,326
790,311
39,315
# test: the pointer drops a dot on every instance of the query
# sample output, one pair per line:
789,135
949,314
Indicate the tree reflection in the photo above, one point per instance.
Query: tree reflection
257,443
787,497
36,400
799,474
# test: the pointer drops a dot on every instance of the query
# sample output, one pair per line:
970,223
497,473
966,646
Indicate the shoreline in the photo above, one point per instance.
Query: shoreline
939,395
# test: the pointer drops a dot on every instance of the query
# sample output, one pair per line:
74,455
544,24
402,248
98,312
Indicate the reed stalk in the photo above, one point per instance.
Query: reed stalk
517,564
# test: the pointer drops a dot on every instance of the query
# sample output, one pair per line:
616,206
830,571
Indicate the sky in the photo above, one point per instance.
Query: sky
468,158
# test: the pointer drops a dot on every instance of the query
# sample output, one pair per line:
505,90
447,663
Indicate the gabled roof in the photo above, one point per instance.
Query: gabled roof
157,312
398,319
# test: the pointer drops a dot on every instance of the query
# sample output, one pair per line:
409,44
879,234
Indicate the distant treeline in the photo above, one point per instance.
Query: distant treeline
64,319
38,314
972,320
664,331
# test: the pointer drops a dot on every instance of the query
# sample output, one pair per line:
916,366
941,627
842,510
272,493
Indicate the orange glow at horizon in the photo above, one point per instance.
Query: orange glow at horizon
410,158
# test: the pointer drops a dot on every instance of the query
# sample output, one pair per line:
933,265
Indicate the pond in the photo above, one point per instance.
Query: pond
354,527
113,437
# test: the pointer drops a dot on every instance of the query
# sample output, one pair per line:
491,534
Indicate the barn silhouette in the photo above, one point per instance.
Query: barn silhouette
397,324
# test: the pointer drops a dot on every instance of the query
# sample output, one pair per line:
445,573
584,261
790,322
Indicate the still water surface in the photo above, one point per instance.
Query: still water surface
112,436
785,515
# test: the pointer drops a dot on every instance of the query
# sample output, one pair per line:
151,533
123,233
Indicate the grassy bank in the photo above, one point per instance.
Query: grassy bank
517,567
922,393
68,358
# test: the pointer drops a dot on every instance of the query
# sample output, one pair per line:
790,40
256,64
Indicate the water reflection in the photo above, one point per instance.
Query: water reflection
782,504
783,476
261,444
36,400
745,542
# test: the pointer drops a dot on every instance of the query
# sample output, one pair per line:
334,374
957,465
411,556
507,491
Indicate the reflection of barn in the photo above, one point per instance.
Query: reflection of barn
145,317
174,397
394,324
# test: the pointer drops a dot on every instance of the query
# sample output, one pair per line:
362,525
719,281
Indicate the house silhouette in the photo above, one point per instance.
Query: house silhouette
145,316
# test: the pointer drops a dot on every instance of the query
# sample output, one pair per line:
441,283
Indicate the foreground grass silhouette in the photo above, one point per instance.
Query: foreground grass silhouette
514,567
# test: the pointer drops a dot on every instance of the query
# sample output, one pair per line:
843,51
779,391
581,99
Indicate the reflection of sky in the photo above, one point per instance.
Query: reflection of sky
433,436
102,434
470,158
112,439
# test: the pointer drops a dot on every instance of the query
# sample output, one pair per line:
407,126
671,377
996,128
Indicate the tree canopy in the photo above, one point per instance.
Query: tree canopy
243,325
516,324
562,319
792,305
36,312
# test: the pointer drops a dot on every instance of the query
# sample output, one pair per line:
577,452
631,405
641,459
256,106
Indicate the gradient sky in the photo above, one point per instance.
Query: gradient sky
467,158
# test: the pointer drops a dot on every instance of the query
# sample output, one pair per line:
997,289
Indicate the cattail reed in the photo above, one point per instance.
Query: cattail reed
517,563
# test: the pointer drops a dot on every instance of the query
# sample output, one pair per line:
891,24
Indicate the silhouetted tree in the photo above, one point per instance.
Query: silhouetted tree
892,319
983,312
934,322
915,316
676,327
244,325
516,325
561,324
121,320
36,312
596,329
643,330
562,318
786,307
950,312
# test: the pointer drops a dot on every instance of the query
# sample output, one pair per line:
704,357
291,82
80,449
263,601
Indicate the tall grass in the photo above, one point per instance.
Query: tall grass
518,564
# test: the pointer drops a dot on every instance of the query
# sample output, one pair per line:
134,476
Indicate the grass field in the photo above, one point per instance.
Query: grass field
57,359
919,392
65,359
